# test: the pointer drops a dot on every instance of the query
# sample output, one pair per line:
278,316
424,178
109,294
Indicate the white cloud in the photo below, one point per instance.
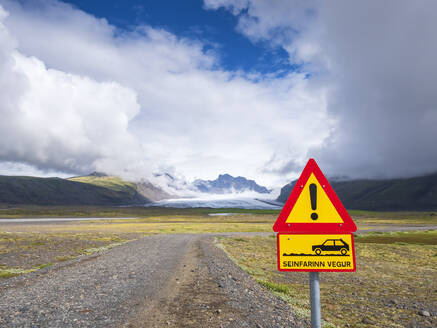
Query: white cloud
60,121
379,61
20,169
132,102
279,22
79,95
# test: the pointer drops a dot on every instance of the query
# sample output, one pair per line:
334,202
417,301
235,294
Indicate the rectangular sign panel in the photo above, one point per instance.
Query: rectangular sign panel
316,252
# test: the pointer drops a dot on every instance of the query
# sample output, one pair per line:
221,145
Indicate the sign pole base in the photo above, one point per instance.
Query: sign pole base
316,317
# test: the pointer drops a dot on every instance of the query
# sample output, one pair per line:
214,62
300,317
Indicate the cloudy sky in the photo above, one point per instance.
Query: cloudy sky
199,88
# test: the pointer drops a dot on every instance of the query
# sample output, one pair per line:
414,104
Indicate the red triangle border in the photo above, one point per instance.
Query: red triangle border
281,226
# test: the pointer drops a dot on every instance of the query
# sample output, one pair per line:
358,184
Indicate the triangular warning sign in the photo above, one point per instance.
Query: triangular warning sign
313,206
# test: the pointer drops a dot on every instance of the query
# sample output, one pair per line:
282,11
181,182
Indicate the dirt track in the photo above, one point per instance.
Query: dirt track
159,281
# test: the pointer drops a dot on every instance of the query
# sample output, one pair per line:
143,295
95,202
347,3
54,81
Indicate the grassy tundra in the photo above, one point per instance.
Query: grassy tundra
395,282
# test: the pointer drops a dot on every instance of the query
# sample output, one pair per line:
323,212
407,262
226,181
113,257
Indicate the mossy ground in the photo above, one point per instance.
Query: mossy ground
23,252
396,278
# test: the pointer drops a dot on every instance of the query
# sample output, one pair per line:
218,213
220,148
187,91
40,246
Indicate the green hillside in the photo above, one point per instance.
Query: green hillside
56,191
108,182
414,194
144,188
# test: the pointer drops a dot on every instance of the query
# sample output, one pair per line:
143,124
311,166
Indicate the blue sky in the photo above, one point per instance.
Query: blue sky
215,28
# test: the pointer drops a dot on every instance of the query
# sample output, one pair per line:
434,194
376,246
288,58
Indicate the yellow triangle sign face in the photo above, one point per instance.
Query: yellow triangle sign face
313,205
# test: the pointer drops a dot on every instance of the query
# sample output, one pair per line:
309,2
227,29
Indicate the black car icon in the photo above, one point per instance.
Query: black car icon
336,245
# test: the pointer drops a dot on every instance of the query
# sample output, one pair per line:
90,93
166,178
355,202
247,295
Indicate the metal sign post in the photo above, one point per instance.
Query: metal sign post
316,316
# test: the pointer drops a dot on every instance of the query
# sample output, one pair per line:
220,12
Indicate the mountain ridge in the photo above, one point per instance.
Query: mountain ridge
98,188
57,191
226,183
400,194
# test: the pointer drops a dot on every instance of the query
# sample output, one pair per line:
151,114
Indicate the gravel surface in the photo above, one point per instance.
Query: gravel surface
252,305
157,281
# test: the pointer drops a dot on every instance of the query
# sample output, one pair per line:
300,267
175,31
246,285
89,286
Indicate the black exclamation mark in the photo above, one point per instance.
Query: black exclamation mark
313,196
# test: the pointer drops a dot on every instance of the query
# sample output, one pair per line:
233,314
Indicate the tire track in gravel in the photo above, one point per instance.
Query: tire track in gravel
156,281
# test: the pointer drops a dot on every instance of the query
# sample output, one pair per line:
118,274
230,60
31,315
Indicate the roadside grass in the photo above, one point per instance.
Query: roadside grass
395,279
299,305
6,272
25,252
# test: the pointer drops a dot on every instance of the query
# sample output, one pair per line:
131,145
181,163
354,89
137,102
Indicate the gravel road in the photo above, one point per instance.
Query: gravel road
157,281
